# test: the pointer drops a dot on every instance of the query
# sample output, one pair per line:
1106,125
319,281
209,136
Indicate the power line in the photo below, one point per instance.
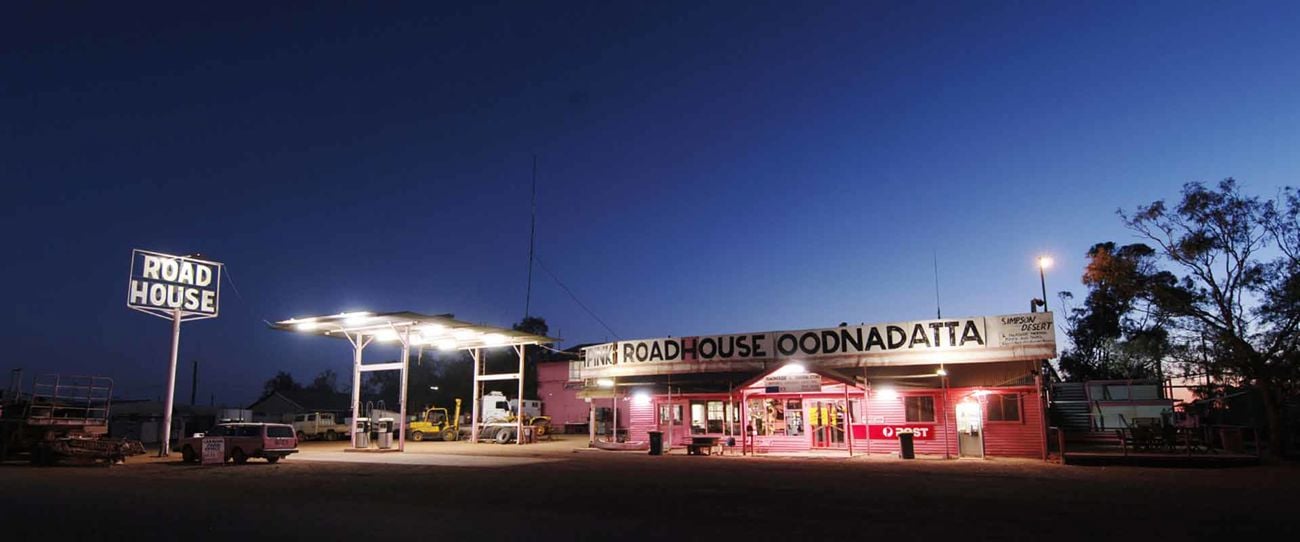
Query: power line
574,297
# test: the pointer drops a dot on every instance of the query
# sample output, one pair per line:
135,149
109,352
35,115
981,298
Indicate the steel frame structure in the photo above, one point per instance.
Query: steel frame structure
361,329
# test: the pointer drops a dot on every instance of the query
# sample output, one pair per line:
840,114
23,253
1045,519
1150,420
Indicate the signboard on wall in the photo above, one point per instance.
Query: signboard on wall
163,284
1032,328
795,383
955,340
214,451
919,432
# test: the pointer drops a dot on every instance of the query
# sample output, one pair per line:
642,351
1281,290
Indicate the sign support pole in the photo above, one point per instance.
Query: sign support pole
165,446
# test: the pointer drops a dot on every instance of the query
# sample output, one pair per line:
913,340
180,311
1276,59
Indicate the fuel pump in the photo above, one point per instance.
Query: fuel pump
384,426
363,433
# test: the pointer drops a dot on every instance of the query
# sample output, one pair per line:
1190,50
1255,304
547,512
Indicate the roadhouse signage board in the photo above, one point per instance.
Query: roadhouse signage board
795,383
161,284
954,340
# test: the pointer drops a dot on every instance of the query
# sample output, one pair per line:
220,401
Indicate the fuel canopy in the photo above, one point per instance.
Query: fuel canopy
414,329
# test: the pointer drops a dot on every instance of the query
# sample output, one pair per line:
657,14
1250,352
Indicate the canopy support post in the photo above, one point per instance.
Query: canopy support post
406,362
358,344
477,393
519,416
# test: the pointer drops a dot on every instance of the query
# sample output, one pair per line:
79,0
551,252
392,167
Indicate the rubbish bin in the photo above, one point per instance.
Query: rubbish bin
656,443
906,449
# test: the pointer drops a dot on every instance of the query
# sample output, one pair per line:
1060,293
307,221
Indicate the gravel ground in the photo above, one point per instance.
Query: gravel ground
596,495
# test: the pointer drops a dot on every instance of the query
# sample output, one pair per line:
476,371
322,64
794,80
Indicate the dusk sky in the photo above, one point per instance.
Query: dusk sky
729,167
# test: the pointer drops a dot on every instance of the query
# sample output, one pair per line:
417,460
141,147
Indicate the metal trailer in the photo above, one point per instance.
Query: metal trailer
64,418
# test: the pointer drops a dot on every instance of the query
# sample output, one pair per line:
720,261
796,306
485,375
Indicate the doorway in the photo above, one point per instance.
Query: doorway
670,423
970,428
826,423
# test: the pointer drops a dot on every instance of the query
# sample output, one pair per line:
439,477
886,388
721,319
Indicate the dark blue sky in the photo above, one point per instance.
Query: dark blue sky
702,169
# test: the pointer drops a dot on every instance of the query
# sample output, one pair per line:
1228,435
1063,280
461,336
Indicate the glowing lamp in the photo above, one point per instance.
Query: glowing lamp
792,368
355,318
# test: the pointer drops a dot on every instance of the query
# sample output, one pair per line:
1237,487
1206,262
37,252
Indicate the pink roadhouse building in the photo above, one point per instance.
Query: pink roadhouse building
963,387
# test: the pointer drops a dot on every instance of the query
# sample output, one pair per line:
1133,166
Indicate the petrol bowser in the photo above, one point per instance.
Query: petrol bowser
362,433
384,427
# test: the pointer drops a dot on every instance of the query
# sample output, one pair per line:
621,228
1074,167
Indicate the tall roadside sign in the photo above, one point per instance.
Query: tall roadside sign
178,288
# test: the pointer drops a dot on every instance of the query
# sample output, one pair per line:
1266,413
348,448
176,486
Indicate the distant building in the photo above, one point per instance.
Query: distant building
142,420
280,406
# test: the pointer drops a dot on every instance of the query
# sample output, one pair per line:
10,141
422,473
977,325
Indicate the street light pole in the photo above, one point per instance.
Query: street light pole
1043,263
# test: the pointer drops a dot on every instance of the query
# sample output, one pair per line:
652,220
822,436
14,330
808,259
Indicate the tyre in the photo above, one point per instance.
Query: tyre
238,456
331,436
417,436
272,459
188,455
302,436
449,434
541,428
503,436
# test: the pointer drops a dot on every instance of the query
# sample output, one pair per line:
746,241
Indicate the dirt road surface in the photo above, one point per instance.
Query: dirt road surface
489,492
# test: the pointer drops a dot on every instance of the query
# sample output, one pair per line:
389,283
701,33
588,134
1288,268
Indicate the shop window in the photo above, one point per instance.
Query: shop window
717,416
794,417
768,417
699,418
920,408
670,412
1003,407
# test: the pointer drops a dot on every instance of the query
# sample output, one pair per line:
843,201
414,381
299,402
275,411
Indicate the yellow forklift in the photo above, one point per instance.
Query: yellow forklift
435,423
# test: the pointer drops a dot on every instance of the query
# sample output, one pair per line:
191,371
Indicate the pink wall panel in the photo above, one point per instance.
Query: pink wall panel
562,405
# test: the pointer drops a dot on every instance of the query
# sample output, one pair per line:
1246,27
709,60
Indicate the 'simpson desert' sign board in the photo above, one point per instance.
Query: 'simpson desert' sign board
162,284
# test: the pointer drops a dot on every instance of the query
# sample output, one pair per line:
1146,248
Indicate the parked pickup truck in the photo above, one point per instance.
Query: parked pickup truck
319,425
269,441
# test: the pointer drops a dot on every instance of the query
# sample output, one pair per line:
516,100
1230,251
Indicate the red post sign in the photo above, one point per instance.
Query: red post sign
919,432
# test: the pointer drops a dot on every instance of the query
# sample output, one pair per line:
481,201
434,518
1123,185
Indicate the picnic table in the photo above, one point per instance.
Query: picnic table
702,445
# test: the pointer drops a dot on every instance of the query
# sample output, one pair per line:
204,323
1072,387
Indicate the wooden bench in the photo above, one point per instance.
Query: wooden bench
702,445
699,449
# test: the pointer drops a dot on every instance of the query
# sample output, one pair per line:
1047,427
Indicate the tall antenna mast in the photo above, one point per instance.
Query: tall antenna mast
532,236
938,310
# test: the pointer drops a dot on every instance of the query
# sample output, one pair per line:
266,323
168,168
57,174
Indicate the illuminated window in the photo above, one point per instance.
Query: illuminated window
920,408
768,417
1003,407
717,416
667,412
